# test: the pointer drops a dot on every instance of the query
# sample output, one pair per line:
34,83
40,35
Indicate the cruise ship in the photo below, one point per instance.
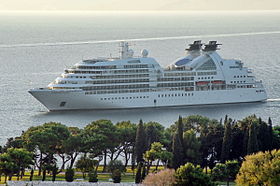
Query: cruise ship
201,77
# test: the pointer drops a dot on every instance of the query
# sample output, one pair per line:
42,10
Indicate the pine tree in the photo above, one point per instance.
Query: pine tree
140,142
180,127
226,146
245,141
263,136
178,151
270,134
252,140
144,172
138,176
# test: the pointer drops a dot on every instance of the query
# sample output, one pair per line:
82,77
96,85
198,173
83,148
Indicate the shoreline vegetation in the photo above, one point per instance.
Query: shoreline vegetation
194,150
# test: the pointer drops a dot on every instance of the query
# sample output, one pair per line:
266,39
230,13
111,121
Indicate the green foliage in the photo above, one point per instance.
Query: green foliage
116,176
140,142
262,168
85,164
99,136
219,172
157,153
189,174
154,132
225,172
138,177
191,146
252,140
116,165
225,154
178,145
69,175
15,161
92,176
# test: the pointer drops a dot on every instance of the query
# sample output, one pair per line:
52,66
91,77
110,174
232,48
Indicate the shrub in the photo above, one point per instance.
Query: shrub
116,165
116,176
163,178
69,175
92,177
260,169
189,174
225,172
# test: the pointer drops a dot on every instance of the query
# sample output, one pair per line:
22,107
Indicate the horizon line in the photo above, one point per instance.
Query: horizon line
135,11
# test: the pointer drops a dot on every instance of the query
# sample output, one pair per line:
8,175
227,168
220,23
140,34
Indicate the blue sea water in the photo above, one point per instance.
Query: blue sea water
36,47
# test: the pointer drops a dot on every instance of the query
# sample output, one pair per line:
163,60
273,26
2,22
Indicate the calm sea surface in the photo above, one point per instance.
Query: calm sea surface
36,47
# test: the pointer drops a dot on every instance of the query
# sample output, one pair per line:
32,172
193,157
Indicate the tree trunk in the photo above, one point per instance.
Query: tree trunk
44,175
40,164
105,161
126,158
73,159
157,165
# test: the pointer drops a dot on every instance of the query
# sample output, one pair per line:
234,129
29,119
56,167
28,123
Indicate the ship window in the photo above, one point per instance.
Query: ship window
101,98
234,76
208,65
62,104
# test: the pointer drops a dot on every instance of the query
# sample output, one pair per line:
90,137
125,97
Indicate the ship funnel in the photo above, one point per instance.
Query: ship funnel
211,46
194,49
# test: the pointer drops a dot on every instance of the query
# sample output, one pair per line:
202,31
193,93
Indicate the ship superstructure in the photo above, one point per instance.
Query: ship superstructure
201,77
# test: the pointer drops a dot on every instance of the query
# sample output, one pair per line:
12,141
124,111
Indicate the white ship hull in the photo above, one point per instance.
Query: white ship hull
56,100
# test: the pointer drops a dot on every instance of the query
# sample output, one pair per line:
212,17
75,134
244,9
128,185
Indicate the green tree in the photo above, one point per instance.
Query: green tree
177,151
15,161
226,146
140,142
116,165
225,172
191,147
177,145
127,135
261,168
138,176
189,174
69,175
46,141
86,164
98,137
154,132
252,140
157,153
270,135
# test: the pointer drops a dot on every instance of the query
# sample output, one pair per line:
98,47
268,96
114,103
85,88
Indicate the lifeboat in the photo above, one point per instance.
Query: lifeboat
217,82
202,82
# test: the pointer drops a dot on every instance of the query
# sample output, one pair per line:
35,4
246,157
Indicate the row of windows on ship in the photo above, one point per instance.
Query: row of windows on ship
114,66
139,90
144,97
139,75
159,89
